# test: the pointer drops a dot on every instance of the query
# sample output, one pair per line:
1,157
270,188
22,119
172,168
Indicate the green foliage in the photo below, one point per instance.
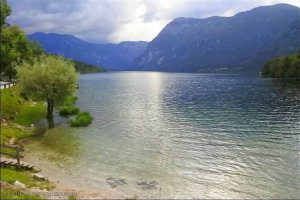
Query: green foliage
68,110
10,103
50,79
8,132
16,48
284,68
25,177
82,67
5,11
82,119
87,68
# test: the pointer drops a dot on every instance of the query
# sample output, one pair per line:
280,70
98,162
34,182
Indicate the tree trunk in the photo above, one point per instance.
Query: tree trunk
50,121
50,106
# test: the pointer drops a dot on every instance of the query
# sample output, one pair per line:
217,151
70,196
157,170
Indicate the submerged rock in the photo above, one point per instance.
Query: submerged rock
141,182
147,186
113,182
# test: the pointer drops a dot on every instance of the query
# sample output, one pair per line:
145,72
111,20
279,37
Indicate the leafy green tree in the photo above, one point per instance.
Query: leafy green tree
50,79
5,11
294,72
16,48
285,68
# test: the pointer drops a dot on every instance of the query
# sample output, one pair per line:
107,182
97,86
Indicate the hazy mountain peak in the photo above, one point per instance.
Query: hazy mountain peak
113,56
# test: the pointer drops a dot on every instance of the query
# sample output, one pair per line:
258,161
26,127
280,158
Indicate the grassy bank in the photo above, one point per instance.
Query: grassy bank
18,116
11,175
8,192
15,107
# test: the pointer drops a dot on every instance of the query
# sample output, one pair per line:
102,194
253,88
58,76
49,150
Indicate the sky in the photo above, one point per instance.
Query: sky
113,21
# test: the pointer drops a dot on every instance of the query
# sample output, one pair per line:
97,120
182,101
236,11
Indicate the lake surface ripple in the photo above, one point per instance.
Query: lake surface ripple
195,135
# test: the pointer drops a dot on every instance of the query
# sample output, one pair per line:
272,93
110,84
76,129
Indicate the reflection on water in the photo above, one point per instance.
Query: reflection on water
198,136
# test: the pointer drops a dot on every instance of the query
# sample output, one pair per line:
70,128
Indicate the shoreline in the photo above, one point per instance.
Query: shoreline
65,183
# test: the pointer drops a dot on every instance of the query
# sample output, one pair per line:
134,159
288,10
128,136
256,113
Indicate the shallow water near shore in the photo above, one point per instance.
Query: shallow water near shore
195,135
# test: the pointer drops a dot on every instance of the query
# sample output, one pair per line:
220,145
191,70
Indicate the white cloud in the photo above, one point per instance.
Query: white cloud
119,20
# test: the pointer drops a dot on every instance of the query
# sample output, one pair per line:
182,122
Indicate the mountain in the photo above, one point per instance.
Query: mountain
84,68
241,43
113,56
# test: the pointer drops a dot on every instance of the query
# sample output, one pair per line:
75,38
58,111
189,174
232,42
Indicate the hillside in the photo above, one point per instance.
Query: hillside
112,56
242,43
84,68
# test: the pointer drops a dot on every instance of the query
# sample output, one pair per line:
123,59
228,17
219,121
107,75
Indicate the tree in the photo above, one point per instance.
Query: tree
50,79
16,48
285,65
5,11
285,68
294,72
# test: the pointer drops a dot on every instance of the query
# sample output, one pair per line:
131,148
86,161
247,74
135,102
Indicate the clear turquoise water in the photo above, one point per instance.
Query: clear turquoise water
196,135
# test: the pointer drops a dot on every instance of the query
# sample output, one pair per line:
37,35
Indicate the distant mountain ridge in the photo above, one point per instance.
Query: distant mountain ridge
112,56
242,43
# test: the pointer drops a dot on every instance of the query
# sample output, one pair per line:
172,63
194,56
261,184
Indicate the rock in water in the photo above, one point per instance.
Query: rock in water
147,186
112,182
141,182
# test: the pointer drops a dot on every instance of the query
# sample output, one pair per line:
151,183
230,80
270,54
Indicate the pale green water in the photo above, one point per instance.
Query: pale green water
197,136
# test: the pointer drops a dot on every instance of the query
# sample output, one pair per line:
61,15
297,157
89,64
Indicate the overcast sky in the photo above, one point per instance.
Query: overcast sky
101,21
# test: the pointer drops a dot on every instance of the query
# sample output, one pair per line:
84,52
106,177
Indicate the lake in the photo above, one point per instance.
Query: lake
195,135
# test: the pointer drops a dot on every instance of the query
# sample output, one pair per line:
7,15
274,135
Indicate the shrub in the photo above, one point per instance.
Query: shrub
82,119
68,110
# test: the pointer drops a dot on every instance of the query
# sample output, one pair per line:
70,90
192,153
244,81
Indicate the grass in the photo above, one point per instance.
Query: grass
82,119
30,112
11,152
8,131
18,113
14,107
9,193
10,176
